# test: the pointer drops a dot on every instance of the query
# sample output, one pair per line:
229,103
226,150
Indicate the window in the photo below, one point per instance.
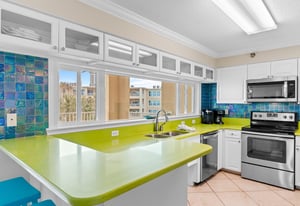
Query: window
74,107
142,98
186,98
89,95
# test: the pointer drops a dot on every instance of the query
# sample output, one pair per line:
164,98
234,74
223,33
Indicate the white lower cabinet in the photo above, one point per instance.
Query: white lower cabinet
232,150
193,166
220,150
297,161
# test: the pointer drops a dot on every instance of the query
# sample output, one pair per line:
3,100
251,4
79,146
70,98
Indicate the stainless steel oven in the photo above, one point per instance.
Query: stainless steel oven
268,148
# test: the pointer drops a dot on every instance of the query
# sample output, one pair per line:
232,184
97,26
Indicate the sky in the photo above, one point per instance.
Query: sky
70,77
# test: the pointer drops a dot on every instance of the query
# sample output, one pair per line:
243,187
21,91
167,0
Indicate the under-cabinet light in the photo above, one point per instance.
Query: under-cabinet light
251,15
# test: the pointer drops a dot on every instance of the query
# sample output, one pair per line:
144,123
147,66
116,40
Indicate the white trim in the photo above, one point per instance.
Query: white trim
134,18
110,124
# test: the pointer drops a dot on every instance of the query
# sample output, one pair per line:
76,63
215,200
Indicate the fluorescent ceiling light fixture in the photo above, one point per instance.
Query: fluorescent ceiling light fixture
251,15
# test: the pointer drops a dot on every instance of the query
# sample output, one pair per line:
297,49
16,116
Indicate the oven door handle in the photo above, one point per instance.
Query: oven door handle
279,136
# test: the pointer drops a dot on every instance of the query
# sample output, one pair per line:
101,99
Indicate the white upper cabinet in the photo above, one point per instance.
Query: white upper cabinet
121,51
271,69
259,71
80,41
24,27
209,74
202,72
198,71
185,67
118,50
169,63
147,58
286,67
231,84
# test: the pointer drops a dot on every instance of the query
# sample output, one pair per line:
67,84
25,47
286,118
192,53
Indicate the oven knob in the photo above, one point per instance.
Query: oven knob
284,117
291,117
260,116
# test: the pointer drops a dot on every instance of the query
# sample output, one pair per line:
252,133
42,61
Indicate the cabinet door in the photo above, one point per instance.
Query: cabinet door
80,41
185,67
168,63
229,89
147,58
27,28
118,50
297,161
209,74
259,71
220,150
284,68
198,71
232,150
297,180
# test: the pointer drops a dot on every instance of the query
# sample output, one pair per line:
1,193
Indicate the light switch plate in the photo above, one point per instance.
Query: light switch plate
11,120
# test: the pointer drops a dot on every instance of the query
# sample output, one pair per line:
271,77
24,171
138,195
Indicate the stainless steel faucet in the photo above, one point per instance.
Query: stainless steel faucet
156,125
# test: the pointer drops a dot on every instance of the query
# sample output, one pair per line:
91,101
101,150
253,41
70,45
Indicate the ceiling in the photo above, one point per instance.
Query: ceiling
201,23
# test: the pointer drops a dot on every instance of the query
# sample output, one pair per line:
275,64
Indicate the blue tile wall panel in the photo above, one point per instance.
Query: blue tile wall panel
23,90
209,101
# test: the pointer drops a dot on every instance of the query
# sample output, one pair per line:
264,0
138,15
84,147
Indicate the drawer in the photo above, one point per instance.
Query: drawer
232,133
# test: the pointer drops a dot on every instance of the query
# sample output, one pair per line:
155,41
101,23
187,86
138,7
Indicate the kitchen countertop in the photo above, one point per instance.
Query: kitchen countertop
91,169
88,177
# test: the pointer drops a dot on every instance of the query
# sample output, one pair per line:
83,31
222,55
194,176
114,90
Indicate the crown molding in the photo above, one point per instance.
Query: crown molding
134,18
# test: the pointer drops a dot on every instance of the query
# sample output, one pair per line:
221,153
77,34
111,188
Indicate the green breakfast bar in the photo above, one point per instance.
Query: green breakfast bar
147,173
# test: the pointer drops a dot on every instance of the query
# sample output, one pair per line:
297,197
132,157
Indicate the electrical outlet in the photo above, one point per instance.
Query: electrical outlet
115,133
193,121
11,120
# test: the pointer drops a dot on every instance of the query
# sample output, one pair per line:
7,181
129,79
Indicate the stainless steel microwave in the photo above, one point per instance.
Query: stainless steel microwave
276,89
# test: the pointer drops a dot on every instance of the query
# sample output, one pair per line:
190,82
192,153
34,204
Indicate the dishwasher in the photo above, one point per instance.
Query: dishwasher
209,163
202,168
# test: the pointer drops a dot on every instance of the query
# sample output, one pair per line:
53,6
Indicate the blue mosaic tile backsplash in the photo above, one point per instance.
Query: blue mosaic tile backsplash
209,101
24,91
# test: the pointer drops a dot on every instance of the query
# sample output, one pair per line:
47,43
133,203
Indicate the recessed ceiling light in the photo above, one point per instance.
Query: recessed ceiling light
251,15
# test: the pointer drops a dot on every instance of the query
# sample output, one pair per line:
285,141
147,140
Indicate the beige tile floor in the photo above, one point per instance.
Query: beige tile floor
227,189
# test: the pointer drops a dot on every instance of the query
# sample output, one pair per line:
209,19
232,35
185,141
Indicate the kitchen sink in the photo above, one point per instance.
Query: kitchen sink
167,134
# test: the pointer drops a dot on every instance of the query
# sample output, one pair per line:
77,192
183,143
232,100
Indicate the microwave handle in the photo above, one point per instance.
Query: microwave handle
285,89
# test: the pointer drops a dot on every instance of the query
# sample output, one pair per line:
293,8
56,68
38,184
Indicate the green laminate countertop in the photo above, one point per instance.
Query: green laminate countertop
92,167
88,177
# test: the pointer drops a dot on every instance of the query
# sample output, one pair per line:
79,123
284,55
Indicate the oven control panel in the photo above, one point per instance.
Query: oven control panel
274,116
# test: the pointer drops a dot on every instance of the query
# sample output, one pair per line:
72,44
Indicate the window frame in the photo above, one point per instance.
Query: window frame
55,64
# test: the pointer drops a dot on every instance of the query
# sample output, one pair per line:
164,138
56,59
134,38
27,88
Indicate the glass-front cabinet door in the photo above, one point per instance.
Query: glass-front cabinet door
147,58
198,71
209,74
25,27
80,41
185,67
118,50
168,63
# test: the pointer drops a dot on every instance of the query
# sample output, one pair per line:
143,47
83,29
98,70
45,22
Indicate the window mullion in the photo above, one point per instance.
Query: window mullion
78,108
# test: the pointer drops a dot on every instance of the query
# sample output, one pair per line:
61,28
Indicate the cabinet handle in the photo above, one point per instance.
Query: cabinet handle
63,48
239,141
54,47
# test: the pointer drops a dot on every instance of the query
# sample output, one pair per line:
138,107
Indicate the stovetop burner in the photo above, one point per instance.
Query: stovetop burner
273,122
290,131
